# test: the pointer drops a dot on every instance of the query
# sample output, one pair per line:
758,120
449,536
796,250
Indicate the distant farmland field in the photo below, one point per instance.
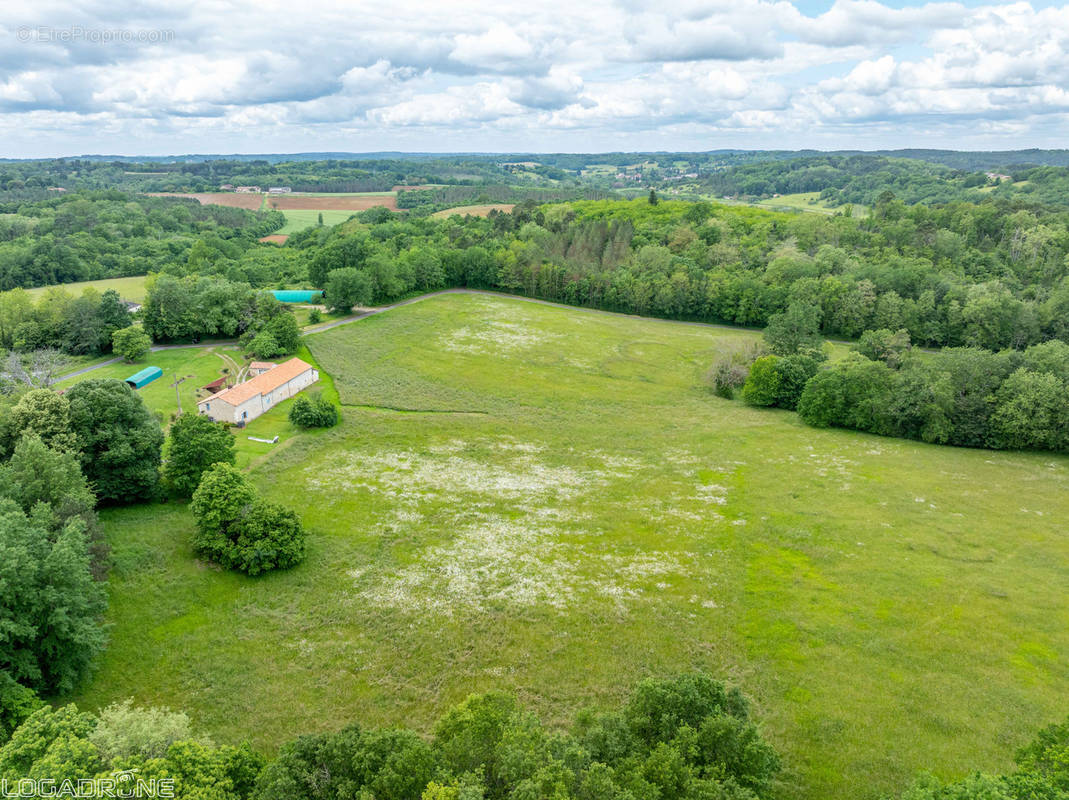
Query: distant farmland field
331,202
474,211
251,202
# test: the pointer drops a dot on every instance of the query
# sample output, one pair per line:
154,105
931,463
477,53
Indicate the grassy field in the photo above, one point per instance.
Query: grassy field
298,220
550,502
128,288
801,201
474,211
199,366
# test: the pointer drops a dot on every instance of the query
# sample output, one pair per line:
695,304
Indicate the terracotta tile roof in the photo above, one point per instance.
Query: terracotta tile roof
263,383
262,365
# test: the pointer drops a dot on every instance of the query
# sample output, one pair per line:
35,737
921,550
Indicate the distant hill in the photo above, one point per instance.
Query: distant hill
957,159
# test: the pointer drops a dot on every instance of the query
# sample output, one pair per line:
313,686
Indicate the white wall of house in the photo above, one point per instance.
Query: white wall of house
249,410
221,411
218,410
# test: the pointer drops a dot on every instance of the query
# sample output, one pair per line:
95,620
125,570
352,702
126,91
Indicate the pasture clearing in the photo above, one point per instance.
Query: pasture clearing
132,288
801,201
474,211
549,502
299,219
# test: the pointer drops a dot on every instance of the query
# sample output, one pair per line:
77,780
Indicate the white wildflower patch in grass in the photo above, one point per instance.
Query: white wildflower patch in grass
513,446
496,336
504,562
644,565
679,457
508,527
712,493
622,466
426,475
822,464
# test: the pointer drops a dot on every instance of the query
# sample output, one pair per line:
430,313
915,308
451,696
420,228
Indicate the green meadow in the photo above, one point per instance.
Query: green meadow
299,219
132,288
551,502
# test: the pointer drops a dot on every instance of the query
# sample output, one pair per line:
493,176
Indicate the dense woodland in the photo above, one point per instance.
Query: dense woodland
109,234
864,178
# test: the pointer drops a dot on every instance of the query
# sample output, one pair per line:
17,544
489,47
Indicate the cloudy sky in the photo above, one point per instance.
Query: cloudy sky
118,76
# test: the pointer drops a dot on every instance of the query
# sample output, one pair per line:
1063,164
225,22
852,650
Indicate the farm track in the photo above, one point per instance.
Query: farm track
370,312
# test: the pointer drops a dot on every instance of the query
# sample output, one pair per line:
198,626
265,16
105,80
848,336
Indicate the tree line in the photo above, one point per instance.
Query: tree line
688,738
682,738
963,396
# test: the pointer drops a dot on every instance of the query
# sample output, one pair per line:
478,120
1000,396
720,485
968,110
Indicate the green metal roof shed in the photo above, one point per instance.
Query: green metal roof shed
145,376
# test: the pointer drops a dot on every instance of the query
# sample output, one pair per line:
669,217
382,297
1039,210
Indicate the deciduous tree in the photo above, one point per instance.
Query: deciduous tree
131,343
119,440
195,443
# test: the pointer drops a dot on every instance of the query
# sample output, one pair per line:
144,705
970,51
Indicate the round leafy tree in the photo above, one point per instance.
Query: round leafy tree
46,414
265,536
238,530
265,345
119,440
313,412
196,442
131,343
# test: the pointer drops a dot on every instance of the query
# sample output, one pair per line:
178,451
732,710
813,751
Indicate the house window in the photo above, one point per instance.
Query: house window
244,414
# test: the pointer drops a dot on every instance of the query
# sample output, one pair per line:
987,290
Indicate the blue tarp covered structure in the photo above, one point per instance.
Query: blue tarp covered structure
145,376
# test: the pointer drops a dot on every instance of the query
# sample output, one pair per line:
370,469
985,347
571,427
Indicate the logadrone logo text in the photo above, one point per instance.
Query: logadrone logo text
118,785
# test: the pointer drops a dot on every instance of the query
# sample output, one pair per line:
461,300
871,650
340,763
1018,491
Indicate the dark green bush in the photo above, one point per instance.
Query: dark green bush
239,530
313,412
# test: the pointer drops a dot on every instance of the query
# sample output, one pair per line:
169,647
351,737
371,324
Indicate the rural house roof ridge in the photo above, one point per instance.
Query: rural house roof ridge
263,383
